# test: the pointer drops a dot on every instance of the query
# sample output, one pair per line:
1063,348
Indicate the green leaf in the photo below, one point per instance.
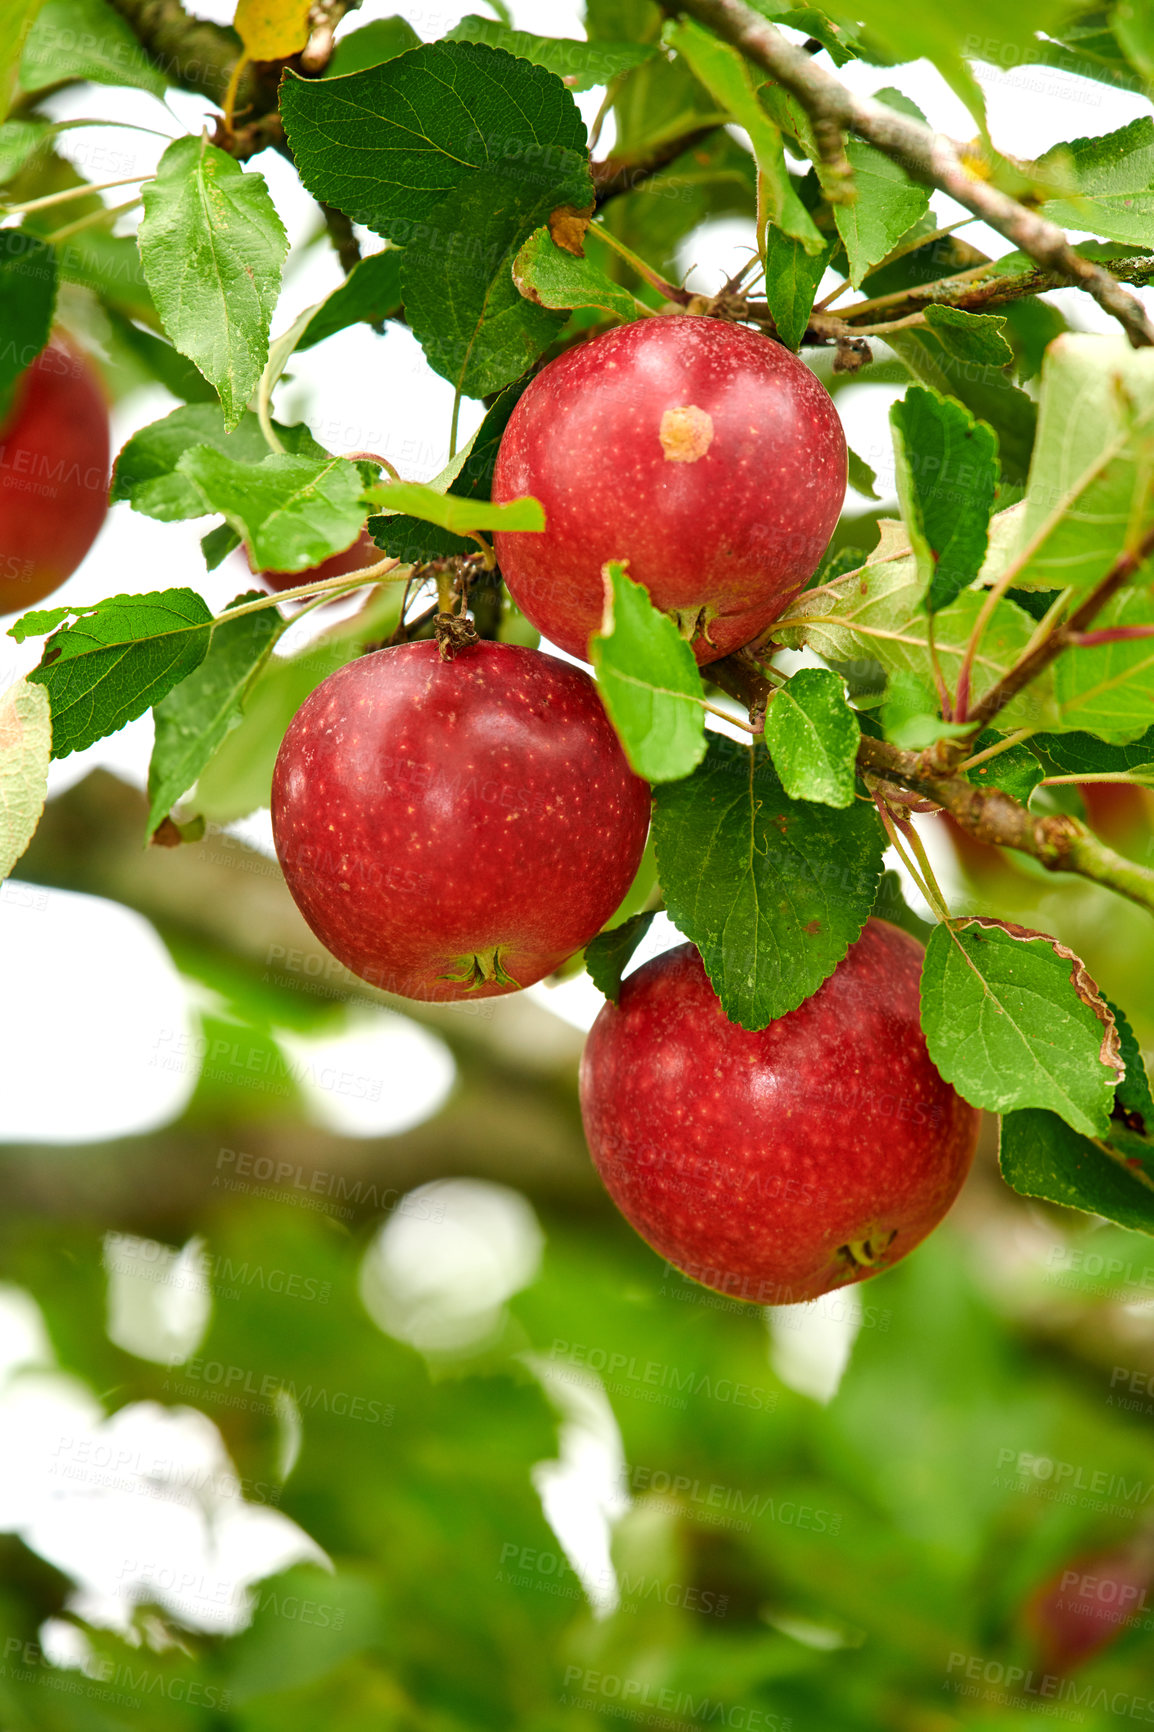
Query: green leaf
293,512
147,473
369,294
166,364
213,248
19,142
1108,689
27,301
1134,29
106,265
648,680
581,64
388,144
25,751
1016,771
1133,1096
986,392
1078,754
791,278
39,622
947,471
16,19
970,337
911,714
877,613
772,891
729,79
1092,477
86,39
1114,178
411,540
947,35
549,276
887,204
812,736
609,954
1040,1156
461,301
1012,1019
192,721
374,43
218,544
862,476
459,516
120,658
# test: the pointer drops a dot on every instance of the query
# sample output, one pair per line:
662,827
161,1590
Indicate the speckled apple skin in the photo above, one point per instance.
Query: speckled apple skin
739,529
427,811
748,1159
54,451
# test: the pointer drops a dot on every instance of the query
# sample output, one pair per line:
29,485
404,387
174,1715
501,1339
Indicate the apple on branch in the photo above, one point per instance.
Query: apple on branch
774,1165
703,454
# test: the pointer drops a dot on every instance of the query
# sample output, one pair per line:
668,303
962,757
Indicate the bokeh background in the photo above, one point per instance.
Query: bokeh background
333,1393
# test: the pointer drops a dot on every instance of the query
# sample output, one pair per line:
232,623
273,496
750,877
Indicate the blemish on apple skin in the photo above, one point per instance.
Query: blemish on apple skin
685,433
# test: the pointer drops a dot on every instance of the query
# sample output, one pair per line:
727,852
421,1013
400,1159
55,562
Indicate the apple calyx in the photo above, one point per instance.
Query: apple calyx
481,968
869,1253
453,633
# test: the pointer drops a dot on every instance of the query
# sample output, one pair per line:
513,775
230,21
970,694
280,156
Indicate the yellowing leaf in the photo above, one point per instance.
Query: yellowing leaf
25,748
272,29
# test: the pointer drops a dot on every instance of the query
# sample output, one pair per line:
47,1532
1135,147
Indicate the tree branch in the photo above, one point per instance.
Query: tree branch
981,294
622,174
926,156
1063,636
1058,842
200,56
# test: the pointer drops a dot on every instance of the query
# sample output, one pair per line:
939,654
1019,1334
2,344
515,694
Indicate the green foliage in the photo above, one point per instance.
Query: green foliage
1041,1156
772,891
911,714
649,682
581,64
27,302
1107,689
947,468
213,248
291,511
551,276
373,43
356,146
118,658
1088,498
983,389
878,612
727,76
886,204
1015,770
147,472
1113,183
85,39
813,736
414,538
195,717
369,294
792,275
1013,1021
609,954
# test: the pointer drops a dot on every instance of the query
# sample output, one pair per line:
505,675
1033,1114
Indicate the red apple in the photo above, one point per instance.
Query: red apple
776,1165
1090,1603
707,456
456,829
54,451
363,552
